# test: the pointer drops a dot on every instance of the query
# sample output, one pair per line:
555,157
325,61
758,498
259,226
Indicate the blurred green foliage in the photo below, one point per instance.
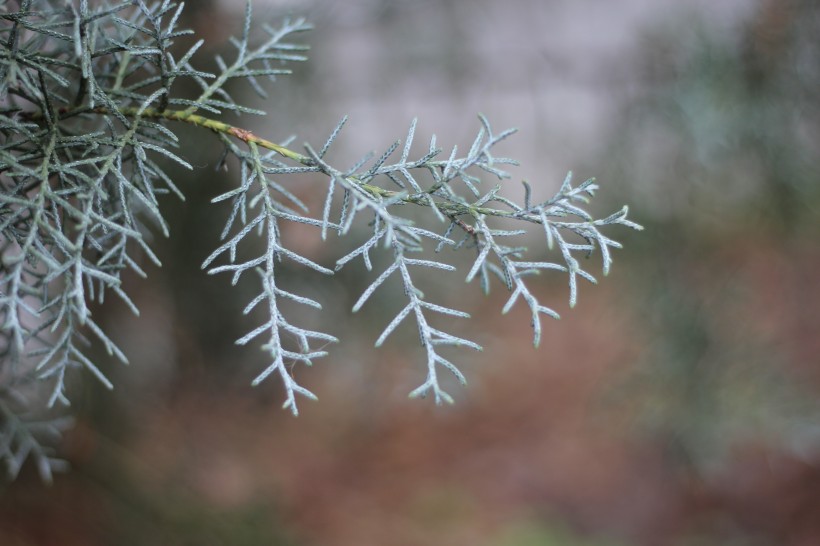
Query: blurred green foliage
719,146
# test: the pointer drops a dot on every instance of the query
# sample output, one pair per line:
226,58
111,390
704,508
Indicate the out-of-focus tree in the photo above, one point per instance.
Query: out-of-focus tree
719,143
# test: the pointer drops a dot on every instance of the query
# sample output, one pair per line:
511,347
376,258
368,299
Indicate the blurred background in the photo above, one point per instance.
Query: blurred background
675,405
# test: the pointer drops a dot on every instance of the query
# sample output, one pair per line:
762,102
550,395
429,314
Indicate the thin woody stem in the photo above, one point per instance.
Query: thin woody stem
220,127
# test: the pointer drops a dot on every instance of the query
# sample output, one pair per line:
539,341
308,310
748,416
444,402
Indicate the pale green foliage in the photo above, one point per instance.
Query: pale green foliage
88,105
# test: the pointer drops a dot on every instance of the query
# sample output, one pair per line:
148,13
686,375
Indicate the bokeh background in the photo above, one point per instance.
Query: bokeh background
675,405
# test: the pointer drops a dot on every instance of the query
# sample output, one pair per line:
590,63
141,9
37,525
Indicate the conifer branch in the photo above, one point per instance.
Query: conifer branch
89,102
